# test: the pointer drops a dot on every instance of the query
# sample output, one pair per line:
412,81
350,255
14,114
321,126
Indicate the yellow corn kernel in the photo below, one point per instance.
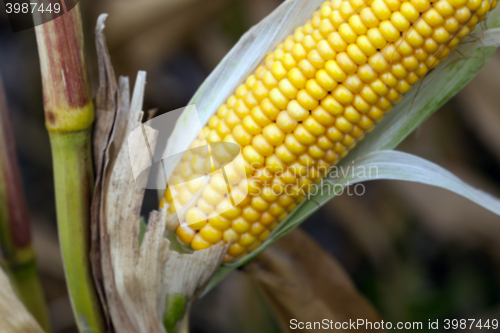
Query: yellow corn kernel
219,222
198,243
210,234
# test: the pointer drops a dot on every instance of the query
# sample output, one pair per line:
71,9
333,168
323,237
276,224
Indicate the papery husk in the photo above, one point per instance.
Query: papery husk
107,105
134,280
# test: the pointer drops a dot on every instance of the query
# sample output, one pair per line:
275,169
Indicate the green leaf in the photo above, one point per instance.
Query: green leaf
389,164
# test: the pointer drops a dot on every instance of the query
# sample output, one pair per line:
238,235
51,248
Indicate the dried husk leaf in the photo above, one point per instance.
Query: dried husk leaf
106,100
143,278
14,318
137,279
303,282
106,104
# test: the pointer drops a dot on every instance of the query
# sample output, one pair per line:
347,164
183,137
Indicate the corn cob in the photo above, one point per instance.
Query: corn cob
308,104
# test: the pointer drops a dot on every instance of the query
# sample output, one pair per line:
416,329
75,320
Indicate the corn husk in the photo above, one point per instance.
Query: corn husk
135,275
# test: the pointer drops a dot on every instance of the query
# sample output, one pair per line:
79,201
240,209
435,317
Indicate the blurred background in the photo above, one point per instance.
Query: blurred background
415,252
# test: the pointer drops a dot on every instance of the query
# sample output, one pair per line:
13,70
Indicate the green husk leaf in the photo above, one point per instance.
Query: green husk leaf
397,165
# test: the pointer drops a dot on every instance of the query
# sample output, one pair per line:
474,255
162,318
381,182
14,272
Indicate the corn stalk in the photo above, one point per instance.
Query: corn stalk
15,233
69,114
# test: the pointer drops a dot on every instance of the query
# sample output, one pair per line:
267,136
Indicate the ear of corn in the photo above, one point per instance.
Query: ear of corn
307,105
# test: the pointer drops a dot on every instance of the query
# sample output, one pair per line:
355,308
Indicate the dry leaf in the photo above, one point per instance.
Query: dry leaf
14,318
304,282
137,281
106,100
106,105
134,281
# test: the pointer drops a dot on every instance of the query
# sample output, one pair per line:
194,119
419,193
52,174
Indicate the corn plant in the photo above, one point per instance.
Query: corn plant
340,90
307,104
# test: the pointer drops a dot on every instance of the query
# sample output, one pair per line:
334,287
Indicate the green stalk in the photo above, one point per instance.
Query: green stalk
69,114
74,186
15,233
